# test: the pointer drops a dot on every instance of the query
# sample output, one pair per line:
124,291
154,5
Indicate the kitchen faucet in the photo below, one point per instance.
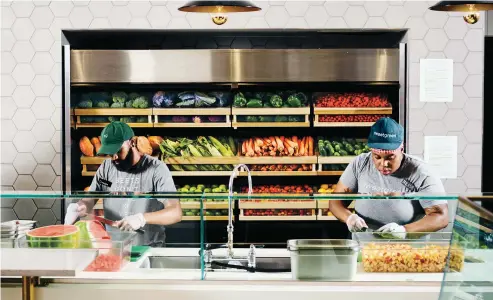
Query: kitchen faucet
250,258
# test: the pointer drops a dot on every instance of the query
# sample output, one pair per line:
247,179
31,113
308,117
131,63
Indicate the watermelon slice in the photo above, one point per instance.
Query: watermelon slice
105,263
91,234
54,236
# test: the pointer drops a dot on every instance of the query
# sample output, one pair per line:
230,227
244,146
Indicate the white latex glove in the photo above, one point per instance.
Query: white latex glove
132,222
394,230
75,211
355,223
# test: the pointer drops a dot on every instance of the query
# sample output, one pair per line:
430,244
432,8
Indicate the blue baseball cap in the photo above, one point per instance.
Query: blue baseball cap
386,134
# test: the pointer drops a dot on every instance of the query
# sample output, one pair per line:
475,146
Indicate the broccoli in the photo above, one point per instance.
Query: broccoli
127,119
133,96
129,104
102,104
85,104
113,119
141,102
118,105
119,97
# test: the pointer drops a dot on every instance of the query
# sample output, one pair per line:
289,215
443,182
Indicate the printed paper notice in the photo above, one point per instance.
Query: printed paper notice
436,80
440,153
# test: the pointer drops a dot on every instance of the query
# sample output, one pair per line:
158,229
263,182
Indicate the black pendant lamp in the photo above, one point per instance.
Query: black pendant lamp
219,9
471,8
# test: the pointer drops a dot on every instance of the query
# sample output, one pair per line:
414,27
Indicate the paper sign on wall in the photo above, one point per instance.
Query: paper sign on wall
436,80
440,153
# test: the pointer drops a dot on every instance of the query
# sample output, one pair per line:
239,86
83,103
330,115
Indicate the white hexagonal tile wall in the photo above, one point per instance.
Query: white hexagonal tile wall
120,3
376,8
417,120
416,142
8,85
23,51
24,163
80,3
414,101
41,3
56,52
24,119
7,202
56,164
436,39
436,55
455,119
460,98
22,29
56,141
417,28
42,17
42,40
42,63
460,74
472,154
25,183
24,141
238,22
472,177
474,109
9,175
461,165
8,152
56,96
141,23
44,217
473,131
298,8
418,50
23,74
376,22
100,23
336,22
296,22
336,8
455,186
435,19
356,17
57,184
8,40
435,111
44,175
174,5
414,74
120,17
7,107
474,40
43,108
61,8
396,16
435,128
456,28
139,9
57,26
276,17
25,209
180,23
42,85
416,8
8,17
44,152
43,130
8,130
316,17
100,9
159,17
80,17
56,73
456,50
22,9
44,202
474,86
56,118
23,96
474,62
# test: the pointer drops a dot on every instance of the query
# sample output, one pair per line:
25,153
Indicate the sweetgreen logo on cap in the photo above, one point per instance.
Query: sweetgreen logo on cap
386,134
113,136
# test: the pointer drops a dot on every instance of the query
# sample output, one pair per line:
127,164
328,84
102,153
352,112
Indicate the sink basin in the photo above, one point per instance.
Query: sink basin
193,263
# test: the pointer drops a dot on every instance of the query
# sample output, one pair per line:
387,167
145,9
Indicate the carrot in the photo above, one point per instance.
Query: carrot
288,147
243,148
279,143
267,141
249,148
281,138
291,143
294,139
286,152
302,147
310,146
273,141
259,141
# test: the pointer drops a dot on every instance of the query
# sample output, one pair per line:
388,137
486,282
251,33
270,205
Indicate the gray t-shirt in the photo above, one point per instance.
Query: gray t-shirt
149,175
361,176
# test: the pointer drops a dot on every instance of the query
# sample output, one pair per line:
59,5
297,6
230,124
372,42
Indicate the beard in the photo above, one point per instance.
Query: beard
125,164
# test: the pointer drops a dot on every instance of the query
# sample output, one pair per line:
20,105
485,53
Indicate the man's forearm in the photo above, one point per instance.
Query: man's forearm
338,210
168,216
436,218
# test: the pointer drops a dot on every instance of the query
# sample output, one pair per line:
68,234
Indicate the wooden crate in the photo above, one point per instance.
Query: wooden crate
313,217
348,111
325,160
283,111
288,160
106,112
90,164
233,160
218,111
266,203
206,218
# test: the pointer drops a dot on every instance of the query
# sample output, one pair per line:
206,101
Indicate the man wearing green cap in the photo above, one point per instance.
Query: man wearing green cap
129,170
387,170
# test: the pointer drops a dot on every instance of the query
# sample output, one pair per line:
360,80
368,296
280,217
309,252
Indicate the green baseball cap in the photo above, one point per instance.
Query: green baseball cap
386,134
113,136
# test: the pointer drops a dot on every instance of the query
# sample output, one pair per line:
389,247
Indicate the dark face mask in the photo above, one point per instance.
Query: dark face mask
125,164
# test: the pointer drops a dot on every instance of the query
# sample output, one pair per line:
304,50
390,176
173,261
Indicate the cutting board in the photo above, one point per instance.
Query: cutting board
137,252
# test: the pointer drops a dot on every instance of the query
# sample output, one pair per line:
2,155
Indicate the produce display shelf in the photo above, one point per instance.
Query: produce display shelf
225,112
329,173
326,218
283,111
352,110
206,205
278,218
202,160
273,204
261,160
324,204
201,173
113,112
280,173
72,122
88,173
335,159
206,218
316,123
102,125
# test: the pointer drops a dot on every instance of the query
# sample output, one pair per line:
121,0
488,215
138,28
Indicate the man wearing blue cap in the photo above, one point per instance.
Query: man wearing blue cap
387,170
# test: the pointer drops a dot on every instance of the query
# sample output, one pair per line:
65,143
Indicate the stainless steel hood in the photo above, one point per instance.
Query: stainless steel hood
234,66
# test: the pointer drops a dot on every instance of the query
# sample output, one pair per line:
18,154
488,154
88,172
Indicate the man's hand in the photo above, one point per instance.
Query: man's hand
75,211
355,223
393,230
131,223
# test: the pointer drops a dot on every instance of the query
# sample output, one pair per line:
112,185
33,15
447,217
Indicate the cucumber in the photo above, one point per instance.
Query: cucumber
337,147
343,153
357,147
330,149
337,154
349,149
